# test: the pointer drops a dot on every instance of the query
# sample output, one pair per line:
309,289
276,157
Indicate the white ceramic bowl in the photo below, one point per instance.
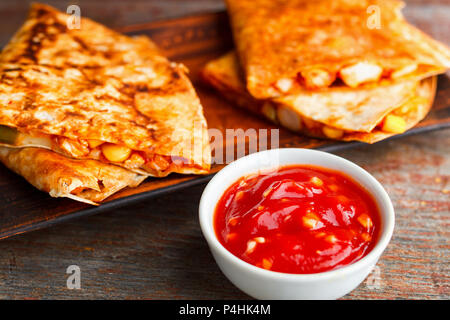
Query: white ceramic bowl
264,284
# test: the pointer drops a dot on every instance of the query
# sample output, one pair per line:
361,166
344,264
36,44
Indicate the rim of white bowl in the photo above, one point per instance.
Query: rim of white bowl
382,241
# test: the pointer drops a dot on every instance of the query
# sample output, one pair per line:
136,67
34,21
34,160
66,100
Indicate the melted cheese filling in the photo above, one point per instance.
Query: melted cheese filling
134,160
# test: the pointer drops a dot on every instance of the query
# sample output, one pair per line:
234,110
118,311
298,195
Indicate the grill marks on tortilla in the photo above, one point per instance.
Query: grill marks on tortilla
128,91
287,46
45,33
96,84
40,32
33,101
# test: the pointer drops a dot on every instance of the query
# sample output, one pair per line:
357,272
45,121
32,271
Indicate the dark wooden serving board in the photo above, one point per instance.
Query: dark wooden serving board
193,41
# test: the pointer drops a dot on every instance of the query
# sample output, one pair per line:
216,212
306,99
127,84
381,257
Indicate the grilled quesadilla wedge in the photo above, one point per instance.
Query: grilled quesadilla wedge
87,181
285,46
92,93
367,115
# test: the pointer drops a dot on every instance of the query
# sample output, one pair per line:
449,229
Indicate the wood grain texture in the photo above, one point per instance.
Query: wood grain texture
154,249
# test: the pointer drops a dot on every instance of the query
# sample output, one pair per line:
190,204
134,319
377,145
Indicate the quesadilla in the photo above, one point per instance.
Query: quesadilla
361,114
94,94
87,181
285,46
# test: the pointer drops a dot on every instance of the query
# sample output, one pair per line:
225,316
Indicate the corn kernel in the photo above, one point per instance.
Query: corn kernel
365,221
115,153
94,143
233,221
394,124
251,245
239,195
333,187
331,239
260,239
321,235
269,111
266,264
317,181
309,223
231,236
366,237
332,133
310,220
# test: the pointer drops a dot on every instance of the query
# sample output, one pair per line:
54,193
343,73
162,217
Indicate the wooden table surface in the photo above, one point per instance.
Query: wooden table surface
155,250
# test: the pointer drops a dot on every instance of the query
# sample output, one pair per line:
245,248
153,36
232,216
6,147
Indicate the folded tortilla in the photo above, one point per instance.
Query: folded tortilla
340,113
287,46
87,181
92,93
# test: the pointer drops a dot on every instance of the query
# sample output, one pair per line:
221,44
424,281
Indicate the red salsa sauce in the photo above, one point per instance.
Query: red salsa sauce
298,219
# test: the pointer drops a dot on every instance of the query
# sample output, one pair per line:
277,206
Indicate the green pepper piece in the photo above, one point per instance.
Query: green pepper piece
8,135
